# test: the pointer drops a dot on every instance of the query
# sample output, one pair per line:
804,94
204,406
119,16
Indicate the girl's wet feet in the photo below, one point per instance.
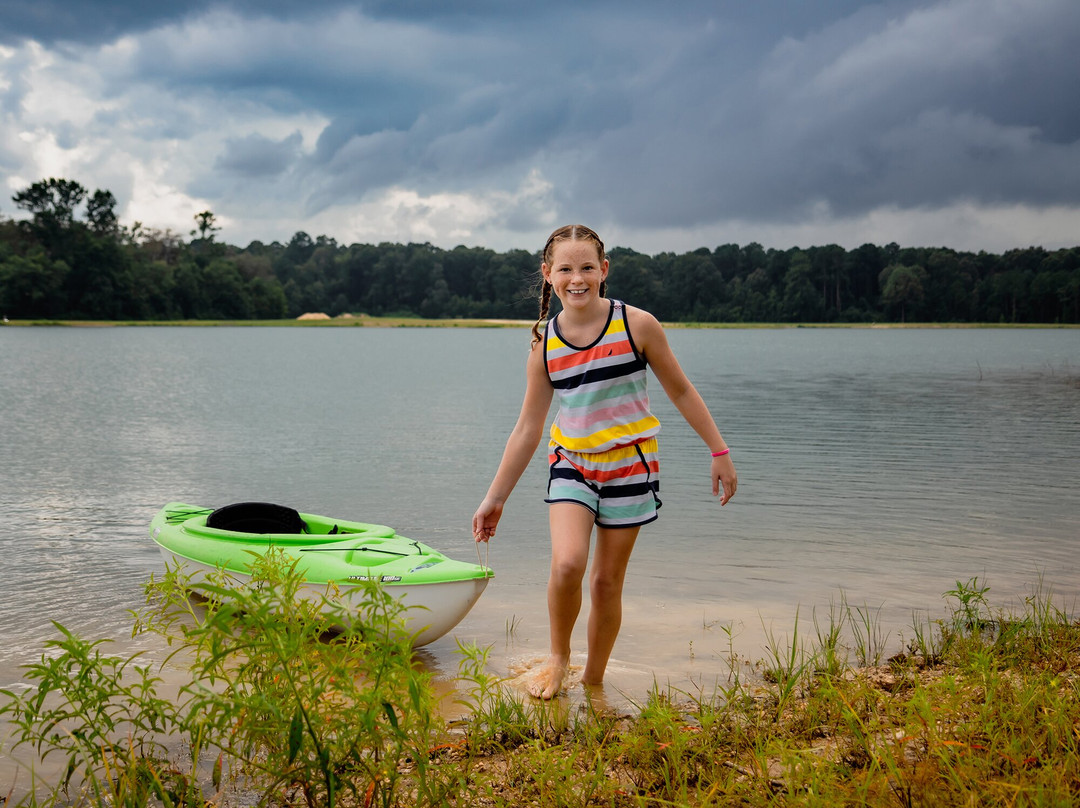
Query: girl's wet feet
549,681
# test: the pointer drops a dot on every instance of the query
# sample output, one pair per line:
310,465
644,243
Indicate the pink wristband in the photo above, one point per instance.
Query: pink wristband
721,454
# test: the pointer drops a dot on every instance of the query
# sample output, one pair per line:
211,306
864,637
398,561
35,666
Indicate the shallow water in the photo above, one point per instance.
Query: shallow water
877,466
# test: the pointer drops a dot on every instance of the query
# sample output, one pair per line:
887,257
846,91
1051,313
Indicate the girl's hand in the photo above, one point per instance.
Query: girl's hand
485,519
724,478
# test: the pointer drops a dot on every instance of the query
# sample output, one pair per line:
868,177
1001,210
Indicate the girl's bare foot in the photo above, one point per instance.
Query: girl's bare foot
549,681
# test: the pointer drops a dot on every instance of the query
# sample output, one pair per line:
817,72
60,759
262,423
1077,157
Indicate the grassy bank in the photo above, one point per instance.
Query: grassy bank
419,322
337,322
981,708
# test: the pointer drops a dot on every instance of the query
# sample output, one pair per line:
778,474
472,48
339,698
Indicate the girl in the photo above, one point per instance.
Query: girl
603,451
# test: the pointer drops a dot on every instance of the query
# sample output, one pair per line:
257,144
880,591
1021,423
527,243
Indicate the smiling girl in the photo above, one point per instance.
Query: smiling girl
592,356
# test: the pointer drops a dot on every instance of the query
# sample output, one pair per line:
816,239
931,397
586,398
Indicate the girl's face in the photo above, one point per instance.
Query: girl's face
576,272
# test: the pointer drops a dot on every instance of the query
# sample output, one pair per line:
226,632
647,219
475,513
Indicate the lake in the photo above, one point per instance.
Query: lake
876,466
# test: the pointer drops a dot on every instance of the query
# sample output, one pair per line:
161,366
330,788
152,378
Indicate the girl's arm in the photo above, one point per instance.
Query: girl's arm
520,446
652,342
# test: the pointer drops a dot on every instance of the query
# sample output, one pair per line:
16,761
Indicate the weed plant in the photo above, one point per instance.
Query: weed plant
279,699
980,708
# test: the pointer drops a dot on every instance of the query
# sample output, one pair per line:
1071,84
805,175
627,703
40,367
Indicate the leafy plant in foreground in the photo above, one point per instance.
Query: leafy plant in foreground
311,697
102,715
300,705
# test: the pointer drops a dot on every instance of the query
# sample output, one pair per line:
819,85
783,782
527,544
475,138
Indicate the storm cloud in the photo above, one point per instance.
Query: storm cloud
668,127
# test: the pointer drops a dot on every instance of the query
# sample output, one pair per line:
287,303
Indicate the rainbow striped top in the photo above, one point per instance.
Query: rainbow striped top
600,388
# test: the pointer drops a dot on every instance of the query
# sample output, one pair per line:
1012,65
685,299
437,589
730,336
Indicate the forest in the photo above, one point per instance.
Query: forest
69,258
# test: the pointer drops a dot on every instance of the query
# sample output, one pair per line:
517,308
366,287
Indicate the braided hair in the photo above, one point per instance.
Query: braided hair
570,232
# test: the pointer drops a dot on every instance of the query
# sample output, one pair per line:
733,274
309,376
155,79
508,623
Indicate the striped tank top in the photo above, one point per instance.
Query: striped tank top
600,388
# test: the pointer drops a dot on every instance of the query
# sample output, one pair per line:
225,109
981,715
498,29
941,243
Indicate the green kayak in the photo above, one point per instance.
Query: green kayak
437,591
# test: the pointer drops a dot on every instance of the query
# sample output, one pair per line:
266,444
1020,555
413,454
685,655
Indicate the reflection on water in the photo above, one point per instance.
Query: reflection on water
877,466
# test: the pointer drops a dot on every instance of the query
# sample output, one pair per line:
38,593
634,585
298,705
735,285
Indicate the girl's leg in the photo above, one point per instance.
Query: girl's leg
571,528
613,548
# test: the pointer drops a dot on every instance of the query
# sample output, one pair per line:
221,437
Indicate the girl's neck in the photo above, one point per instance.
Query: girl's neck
584,326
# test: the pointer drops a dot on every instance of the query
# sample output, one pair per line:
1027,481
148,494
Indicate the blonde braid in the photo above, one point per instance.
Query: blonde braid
545,304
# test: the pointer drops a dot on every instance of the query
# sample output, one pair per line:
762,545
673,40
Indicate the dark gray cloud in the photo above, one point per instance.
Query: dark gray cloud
255,156
94,21
869,111
680,116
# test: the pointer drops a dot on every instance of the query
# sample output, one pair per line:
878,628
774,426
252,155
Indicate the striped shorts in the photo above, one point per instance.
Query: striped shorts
619,486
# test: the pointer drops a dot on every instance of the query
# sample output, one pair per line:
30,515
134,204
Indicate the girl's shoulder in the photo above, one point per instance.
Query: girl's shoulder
645,330
639,319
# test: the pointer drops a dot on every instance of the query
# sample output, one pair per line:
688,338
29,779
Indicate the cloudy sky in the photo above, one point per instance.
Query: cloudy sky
665,125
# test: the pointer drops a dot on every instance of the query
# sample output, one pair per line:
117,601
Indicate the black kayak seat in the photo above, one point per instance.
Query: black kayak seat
257,517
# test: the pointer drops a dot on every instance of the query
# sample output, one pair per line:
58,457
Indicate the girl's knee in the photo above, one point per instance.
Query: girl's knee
606,587
567,571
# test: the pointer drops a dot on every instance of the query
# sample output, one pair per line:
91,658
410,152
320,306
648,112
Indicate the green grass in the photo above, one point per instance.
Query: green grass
421,322
979,708
355,322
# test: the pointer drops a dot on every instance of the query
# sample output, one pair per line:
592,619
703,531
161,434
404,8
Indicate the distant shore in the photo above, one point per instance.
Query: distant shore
420,322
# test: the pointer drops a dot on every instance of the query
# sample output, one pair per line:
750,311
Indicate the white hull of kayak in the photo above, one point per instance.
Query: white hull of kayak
432,609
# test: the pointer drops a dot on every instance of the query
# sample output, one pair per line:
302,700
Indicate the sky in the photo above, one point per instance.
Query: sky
665,126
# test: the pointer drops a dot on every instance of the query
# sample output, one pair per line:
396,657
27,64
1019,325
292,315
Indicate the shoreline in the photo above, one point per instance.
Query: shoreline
420,322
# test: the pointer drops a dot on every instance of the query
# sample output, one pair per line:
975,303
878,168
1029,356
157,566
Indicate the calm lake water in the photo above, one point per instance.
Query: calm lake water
878,466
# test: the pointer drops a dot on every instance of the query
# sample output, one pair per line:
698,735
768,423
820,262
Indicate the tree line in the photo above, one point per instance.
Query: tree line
72,259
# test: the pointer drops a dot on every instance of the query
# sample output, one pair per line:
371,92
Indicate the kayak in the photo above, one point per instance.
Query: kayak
437,591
